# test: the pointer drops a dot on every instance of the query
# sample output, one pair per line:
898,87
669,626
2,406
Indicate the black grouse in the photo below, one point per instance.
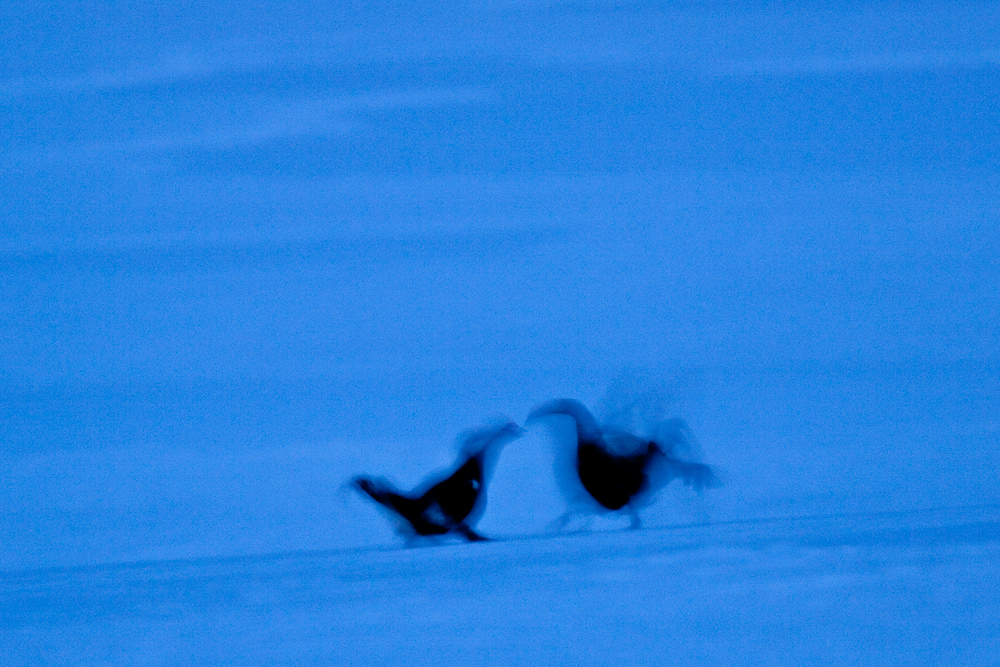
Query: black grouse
452,504
619,470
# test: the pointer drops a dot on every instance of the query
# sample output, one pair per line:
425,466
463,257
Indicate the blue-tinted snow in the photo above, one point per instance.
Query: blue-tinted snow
247,251
911,588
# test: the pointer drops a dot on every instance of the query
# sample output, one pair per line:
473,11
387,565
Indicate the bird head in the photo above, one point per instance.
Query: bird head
486,442
587,429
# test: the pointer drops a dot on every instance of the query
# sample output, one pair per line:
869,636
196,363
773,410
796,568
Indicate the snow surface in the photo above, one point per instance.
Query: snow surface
916,588
248,250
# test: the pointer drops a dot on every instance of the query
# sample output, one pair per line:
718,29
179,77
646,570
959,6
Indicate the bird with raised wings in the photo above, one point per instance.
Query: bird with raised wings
611,470
449,504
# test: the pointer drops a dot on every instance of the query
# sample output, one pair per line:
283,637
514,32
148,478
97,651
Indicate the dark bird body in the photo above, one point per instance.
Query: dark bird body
440,510
613,480
453,504
619,470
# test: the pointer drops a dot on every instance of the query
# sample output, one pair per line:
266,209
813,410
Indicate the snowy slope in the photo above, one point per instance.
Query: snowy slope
248,250
915,588
806,441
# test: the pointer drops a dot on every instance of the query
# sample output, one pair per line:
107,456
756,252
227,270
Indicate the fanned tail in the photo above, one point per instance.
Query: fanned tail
696,475
381,492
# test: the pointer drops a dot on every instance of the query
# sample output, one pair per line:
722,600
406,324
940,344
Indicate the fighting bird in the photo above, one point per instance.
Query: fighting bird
452,504
620,471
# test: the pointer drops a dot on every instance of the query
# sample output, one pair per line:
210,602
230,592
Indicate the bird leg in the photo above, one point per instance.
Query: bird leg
559,524
470,534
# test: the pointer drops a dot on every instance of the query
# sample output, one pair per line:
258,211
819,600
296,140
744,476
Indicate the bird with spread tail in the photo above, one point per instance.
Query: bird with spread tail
450,504
619,471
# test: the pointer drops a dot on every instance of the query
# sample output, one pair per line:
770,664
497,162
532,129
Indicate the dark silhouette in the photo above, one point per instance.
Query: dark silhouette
452,504
619,470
